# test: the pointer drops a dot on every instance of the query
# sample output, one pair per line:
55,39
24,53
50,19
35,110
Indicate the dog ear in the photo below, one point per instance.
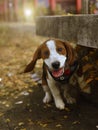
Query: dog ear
31,65
71,53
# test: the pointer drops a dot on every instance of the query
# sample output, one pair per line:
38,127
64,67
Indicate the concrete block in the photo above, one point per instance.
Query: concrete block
80,29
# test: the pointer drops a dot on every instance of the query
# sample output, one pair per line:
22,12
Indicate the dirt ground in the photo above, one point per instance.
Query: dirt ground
21,106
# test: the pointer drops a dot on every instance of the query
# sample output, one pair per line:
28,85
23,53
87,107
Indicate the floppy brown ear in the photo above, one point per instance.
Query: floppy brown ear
71,53
31,65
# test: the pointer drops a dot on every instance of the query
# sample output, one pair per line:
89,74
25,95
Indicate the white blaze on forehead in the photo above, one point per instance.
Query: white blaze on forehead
51,46
54,55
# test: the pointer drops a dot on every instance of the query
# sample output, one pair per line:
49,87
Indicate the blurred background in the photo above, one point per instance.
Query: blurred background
27,10
21,106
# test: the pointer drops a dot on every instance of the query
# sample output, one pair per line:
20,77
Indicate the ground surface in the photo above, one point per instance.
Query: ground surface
21,106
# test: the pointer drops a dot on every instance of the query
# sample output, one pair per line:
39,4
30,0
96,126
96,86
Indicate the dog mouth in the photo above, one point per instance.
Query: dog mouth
57,73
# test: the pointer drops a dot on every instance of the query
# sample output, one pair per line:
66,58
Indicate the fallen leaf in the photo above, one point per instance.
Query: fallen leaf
30,122
23,129
65,117
24,93
21,123
96,78
86,67
42,124
8,120
30,90
67,109
48,105
1,114
75,122
19,102
7,105
58,125
89,80
30,110
85,58
0,79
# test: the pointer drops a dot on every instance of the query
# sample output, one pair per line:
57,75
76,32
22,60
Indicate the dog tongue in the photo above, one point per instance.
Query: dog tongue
57,73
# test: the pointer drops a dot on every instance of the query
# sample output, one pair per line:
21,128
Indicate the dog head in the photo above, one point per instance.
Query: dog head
55,54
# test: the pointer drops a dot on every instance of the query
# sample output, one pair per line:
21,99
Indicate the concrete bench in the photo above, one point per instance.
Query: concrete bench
80,29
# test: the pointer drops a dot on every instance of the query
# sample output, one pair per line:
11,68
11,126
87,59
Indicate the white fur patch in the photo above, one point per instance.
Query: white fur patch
54,56
55,93
47,97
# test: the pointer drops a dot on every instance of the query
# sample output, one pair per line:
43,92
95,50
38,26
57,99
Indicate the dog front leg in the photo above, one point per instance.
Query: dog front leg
48,96
70,94
56,95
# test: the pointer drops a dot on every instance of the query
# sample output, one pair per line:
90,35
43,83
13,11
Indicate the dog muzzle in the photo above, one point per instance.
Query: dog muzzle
63,74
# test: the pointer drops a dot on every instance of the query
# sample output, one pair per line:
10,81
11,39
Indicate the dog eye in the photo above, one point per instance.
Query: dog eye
59,49
46,53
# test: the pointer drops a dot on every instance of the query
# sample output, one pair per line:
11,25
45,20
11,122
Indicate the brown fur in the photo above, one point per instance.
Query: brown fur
39,54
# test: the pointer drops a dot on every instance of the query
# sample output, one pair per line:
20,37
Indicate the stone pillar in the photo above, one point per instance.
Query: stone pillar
78,6
53,4
85,6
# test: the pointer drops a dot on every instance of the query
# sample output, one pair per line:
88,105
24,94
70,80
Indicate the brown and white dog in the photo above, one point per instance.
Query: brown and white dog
59,71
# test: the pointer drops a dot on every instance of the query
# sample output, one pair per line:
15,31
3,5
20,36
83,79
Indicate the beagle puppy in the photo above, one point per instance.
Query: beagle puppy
60,65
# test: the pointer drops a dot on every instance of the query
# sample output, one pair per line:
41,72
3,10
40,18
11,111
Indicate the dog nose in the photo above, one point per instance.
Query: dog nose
56,64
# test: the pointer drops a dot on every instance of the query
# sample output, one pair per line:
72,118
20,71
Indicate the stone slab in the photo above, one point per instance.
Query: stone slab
80,29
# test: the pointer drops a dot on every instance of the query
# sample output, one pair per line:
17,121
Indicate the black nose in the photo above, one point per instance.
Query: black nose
56,64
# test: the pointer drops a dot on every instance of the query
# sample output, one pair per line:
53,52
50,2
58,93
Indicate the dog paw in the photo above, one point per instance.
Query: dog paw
71,100
59,104
47,98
